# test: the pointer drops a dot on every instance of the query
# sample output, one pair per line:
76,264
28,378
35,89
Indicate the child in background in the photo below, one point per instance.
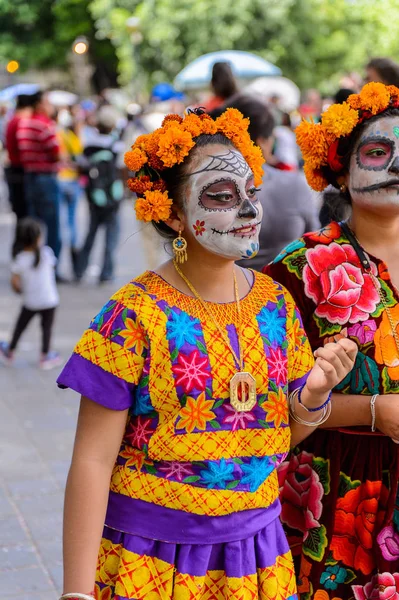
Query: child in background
33,276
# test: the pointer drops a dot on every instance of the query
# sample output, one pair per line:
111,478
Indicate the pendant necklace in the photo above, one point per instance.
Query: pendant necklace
242,385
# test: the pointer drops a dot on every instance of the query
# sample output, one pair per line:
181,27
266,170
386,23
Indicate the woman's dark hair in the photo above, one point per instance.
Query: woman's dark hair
387,69
176,179
261,120
223,82
27,235
337,204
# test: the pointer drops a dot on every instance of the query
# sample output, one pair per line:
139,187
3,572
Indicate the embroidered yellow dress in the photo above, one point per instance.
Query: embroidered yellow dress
193,508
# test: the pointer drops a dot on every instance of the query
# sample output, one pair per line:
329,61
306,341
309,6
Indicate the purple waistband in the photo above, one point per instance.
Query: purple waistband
178,527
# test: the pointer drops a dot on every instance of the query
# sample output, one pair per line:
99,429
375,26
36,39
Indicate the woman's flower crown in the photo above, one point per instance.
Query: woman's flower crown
169,145
319,142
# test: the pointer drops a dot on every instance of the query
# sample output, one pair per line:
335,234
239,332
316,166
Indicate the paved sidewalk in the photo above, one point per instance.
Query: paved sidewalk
37,421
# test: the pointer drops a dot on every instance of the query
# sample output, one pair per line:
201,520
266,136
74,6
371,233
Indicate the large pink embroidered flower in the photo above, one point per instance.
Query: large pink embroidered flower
364,332
334,279
388,541
300,493
384,586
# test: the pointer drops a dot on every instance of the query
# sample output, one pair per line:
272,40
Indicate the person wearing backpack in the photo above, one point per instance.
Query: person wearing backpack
104,192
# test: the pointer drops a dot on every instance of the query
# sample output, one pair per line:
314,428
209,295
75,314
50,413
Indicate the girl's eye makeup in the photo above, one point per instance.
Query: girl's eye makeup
220,195
375,155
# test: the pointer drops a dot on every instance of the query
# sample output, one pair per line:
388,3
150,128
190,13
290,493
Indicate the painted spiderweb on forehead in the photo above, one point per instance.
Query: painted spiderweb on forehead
227,163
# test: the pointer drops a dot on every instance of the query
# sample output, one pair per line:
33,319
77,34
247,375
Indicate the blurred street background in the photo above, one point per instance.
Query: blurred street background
89,75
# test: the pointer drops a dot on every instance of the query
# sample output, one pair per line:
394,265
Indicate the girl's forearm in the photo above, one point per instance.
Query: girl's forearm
86,499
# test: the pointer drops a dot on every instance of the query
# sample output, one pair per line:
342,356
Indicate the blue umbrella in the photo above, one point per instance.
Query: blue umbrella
19,89
244,65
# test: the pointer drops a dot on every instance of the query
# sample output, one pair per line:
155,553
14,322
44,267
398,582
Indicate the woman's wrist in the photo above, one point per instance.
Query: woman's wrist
311,400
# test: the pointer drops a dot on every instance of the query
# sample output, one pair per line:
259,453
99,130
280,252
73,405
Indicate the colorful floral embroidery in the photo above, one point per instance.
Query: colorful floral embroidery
134,336
386,352
363,332
272,325
191,371
334,280
278,366
333,576
218,474
388,540
256,472
384,586
196,414
237,420
182,328
326,234
276,408
359,514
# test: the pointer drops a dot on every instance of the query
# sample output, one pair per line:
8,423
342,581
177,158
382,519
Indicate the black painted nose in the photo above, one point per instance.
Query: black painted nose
247,210
394,168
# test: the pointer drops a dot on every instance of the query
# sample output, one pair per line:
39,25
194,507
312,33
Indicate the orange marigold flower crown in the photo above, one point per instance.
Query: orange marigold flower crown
319,141
170,144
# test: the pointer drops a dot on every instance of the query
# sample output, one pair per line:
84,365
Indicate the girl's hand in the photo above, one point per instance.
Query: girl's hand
333,362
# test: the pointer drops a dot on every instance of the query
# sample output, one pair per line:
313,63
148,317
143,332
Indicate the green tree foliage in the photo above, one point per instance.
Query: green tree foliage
313,41
40,33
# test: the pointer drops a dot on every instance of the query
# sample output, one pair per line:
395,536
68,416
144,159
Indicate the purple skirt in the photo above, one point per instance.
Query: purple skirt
247,565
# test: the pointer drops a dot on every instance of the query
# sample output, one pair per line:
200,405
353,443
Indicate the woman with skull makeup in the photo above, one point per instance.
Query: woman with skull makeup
339,490
186,375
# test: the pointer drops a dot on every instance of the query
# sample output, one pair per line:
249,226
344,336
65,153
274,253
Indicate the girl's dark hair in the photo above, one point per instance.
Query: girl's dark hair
176,179
27,235
336,205
223,82
261,120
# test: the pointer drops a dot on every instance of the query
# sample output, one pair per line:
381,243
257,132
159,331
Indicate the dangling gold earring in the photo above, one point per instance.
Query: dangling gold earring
343,189
180,248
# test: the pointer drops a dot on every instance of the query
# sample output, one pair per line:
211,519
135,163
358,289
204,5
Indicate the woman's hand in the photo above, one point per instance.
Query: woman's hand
333,362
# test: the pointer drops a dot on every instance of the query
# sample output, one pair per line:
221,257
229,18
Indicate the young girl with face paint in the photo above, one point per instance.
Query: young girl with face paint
345,280
186,377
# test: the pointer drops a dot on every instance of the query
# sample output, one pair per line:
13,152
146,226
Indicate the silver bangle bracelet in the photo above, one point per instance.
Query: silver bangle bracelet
323,418
77,595
372,408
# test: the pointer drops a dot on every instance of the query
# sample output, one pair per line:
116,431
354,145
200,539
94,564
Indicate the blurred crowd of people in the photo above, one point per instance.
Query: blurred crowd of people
57,156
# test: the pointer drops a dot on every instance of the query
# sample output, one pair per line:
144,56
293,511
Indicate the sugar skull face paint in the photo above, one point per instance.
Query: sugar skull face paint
374,165
222,208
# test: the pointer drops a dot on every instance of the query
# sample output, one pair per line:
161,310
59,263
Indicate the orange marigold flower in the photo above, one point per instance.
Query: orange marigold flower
375,97
141,142
208,125
135,159
393,91
154,206
255,160
174,146
231,120
354,101
315,178
159,185
171,119
139,185
340,119
193,124
313,140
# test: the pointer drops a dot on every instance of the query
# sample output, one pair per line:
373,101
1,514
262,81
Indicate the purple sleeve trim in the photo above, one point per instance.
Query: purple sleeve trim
297,383
92,381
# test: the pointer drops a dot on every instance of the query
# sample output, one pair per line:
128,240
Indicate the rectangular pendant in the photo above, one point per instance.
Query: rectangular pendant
243,392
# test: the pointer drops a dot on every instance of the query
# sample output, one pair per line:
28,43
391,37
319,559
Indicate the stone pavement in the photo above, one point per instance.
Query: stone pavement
37,421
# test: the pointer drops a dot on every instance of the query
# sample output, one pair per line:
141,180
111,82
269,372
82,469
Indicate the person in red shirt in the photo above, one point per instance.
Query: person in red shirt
14,172
39,154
